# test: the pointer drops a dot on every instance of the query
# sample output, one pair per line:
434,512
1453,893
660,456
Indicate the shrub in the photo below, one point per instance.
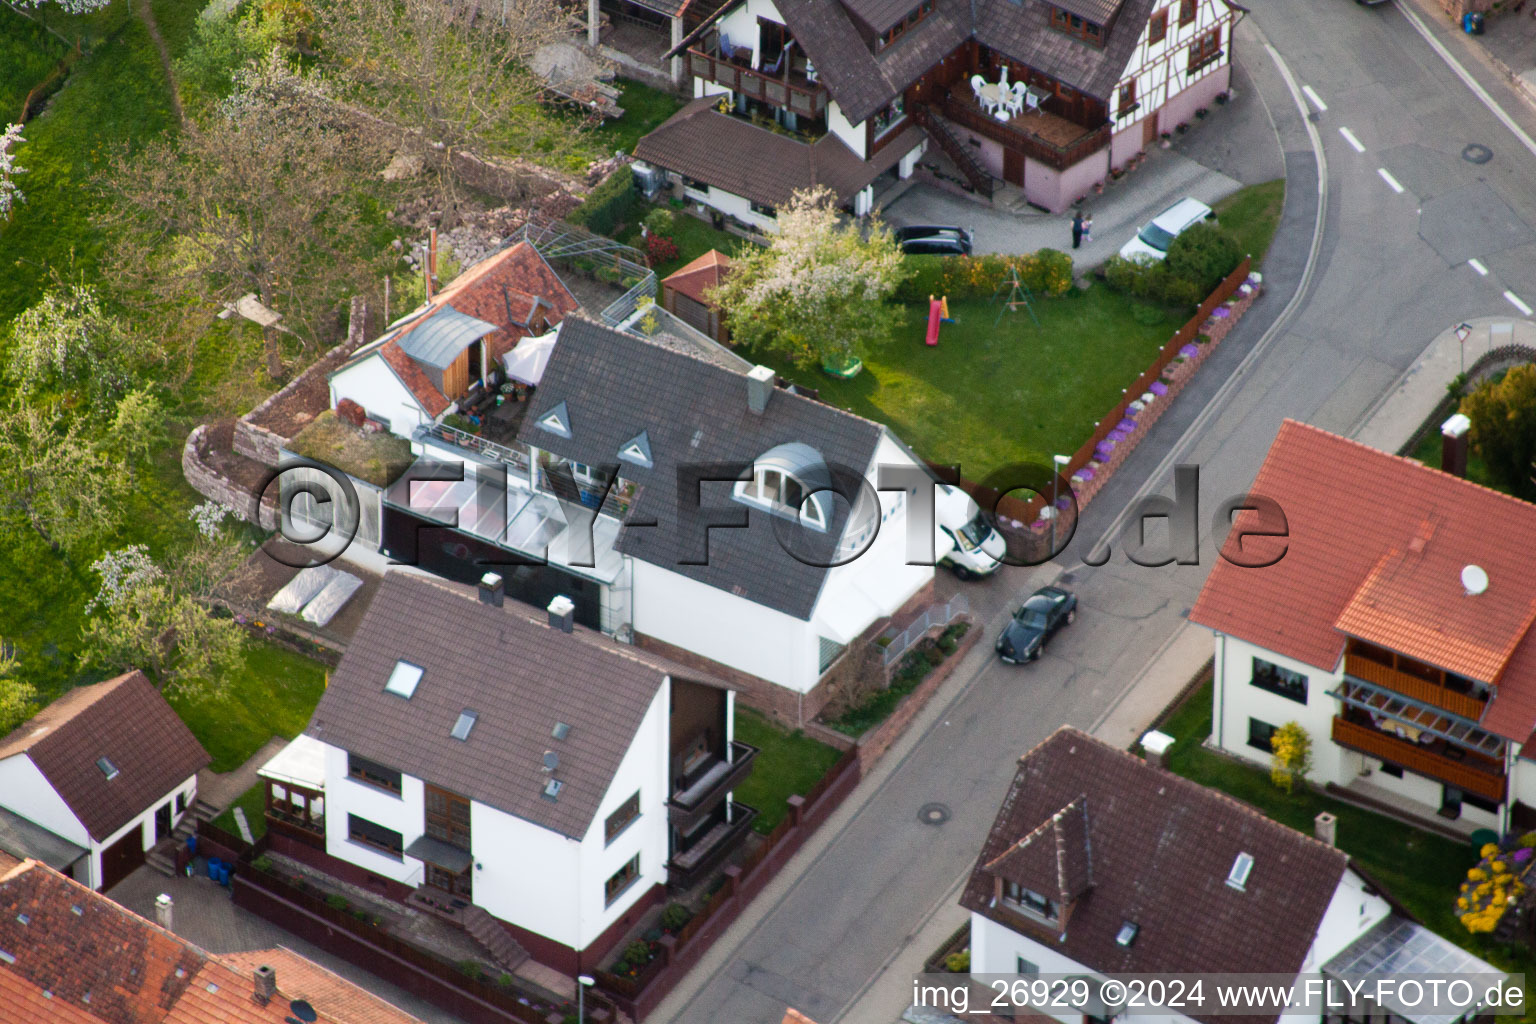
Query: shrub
1292,757
262,864
505,980
1204,254
958,963
675,917
660,248
336,901
1147,316
1047,272
470,969
1503,413
460,422
956,631
637,953
934,654
612,203
360,914
660,221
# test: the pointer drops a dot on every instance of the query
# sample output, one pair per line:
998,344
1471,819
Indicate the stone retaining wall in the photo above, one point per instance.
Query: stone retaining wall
209,471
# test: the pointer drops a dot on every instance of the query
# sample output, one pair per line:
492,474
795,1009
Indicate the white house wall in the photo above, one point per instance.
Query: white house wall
1237,700
851,134
718,625
144,823
995,950
404,813
733,205
373,385
1355,907
1164,88
740,25
24,791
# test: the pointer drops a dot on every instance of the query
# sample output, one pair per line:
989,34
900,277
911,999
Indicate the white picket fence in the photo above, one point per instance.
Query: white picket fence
934,615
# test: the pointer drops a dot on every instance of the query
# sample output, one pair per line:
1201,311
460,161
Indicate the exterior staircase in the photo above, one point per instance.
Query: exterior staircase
163,857
497,941
938,130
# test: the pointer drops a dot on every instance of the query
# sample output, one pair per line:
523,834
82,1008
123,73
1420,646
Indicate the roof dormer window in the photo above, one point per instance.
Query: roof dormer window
895,32
1076,25
1030,901
557,421
783,494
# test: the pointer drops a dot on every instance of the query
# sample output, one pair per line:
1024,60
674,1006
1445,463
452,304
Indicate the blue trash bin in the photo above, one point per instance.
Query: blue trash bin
223,873
192,845
213,868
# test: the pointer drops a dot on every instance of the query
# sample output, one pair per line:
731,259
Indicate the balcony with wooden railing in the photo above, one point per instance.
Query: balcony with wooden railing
1048,138
786,87
1439,760
1447,698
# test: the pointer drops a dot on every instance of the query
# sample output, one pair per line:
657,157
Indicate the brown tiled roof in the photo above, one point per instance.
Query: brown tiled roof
504,289
1348,509
521,675
79,958
699,276
1162,847
124,720
862,82
763,166
794,1016
298,978
1055,858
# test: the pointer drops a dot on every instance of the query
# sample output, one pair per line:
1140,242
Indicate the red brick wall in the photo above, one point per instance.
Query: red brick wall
874,744
570,961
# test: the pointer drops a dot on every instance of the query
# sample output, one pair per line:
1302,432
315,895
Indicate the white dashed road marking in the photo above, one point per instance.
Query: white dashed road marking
1317,100
1391,181
1477,265
1349,137
1517,303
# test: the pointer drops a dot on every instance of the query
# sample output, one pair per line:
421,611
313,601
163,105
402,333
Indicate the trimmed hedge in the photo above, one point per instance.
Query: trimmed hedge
609,205
1197,262
1047,272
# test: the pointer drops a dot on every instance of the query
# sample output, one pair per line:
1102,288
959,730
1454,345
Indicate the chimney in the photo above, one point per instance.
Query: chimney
760,383
163,908
1326,827
266,985
491,589
562,613
432,256
1155,744
1453,444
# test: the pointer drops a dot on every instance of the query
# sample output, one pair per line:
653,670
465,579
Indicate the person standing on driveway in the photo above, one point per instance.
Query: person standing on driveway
1077,229
1088,228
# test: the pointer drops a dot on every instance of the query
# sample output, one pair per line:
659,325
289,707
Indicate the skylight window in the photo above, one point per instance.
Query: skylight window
466,722
107,768
7,957
403,680
1237,878
560,731
552,789
1127,934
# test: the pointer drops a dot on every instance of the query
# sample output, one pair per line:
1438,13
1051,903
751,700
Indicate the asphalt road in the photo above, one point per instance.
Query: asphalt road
1390,273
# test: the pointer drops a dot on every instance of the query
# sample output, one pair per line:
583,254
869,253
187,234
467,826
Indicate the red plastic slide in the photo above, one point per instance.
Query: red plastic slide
935,314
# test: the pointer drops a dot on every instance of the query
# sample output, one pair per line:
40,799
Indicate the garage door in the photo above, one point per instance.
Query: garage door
120,858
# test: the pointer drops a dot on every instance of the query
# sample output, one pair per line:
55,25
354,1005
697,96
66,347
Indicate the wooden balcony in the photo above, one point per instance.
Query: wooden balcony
1053,141
793,92
688,867
1470,773
701,794
1414,688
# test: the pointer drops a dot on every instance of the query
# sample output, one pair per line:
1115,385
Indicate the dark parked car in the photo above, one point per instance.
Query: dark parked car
933,240
1037,620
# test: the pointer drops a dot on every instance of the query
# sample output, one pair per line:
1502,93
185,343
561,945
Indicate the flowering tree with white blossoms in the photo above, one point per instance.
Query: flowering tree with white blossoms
67,6
10,192
820,293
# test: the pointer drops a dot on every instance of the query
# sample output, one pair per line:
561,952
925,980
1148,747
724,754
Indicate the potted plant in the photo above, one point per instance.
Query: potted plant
1183,127
1201,112
1221,99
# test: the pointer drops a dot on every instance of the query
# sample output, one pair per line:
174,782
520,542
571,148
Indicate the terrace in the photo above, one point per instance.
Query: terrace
1040,135
784,80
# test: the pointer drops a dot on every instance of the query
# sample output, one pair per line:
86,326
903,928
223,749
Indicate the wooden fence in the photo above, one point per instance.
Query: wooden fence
640,995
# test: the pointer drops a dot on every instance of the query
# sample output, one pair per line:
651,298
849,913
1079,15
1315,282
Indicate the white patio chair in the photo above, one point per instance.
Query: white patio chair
976,85
1016,97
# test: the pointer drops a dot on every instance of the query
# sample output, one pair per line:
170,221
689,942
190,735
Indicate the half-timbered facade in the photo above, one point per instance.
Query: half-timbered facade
1045,96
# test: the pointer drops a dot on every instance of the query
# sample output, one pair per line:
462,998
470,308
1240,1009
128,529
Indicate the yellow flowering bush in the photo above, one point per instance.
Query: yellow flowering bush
1291,750
1491,887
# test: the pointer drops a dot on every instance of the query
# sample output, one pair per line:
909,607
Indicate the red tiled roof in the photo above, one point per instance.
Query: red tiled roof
697,277
1377,544
124,720
99,963
1162,849
504,290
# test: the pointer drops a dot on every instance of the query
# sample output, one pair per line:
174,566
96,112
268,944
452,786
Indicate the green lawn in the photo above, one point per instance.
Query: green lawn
790,763
254,801
990,395
274,694
645,107
1421,870
1252,214
693,236
1429,451
27,54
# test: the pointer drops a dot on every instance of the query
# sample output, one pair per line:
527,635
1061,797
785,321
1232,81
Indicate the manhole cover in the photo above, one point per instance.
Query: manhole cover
1476,153
933,814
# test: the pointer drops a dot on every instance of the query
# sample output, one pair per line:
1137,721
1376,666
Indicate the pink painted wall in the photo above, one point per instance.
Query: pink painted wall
1056,190
1125,144
1182,107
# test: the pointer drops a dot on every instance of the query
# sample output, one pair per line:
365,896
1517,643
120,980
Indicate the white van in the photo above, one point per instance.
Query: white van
966,542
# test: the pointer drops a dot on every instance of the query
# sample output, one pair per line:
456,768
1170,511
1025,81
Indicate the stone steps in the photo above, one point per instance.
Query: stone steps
485,930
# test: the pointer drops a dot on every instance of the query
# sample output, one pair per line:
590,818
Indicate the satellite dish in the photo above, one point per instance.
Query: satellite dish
551,760
303,1011
1474,579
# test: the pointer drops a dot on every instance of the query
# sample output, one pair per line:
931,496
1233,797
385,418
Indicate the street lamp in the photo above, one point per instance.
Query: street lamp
583,982
1463,331
1061,464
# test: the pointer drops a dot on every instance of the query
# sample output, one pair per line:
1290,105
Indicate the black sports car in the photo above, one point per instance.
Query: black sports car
1037,620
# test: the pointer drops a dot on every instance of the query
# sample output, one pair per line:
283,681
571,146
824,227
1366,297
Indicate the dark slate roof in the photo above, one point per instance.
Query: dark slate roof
739,157
1161,849
22,839
520,674
694,412
863,82
124,720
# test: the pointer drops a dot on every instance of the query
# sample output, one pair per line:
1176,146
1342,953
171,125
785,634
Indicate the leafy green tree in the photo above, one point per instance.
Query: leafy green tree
61,476
1503,414
1203,254
18,698
67,344
820,293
